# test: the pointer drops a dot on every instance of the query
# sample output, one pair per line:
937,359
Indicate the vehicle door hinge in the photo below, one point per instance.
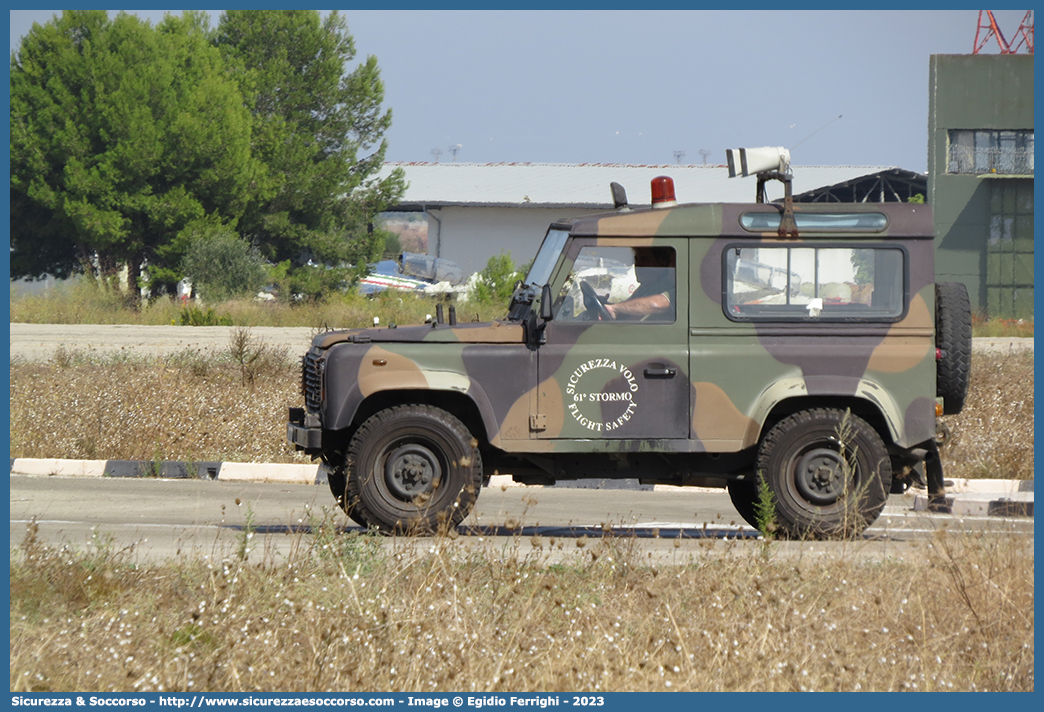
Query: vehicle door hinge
538,422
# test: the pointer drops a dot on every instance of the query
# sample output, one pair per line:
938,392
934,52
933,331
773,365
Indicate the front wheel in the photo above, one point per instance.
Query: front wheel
828,471
744,496
412,469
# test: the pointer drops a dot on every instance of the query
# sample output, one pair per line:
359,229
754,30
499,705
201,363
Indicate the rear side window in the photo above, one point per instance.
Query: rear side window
817,222
815,283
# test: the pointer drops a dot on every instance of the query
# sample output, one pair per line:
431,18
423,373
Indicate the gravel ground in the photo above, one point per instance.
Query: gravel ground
38,342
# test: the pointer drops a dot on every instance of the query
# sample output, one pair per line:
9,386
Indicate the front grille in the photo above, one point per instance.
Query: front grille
312,381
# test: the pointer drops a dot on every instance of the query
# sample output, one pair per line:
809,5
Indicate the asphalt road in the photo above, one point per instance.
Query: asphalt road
39,341
164,518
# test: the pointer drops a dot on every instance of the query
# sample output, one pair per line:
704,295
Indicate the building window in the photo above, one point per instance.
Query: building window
977,152
817,283
1009,250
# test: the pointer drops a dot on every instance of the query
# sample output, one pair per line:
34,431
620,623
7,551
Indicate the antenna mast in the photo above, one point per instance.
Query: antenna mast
988,28
1025,33
991,30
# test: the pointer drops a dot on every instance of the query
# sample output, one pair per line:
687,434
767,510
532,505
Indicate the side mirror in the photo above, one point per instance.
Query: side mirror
619,195
545,303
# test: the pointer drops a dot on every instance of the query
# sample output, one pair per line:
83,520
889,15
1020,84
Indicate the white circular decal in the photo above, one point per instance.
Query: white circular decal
587,404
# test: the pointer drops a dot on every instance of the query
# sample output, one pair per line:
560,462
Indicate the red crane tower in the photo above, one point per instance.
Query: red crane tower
988,28
1025,33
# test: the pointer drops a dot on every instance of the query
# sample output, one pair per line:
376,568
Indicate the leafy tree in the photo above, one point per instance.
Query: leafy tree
123,137
222,266
318,129
392,245
496,281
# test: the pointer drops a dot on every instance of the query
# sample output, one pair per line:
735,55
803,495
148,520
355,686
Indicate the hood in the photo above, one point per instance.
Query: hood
494,332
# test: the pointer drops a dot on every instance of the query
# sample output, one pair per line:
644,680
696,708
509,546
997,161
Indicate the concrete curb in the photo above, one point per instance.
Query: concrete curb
989,486
1018,504
964,497
225,471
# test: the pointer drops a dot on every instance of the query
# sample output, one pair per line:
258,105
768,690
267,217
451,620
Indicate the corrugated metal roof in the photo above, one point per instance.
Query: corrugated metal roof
884,182
586,185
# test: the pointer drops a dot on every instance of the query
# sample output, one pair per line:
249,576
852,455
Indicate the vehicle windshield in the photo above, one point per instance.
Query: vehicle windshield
540,272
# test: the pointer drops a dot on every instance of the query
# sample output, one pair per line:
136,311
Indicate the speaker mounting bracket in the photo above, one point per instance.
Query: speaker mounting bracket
787,224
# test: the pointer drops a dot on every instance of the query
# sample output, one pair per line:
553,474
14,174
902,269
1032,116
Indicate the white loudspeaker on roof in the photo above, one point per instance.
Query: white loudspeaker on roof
751,161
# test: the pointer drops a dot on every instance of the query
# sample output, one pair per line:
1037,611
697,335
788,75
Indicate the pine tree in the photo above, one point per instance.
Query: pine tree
319,131
123,137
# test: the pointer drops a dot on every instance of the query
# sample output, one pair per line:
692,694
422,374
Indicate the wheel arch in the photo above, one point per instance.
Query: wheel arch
863,407
460,405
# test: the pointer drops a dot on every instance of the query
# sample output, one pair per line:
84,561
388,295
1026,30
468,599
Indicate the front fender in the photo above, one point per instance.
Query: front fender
352,378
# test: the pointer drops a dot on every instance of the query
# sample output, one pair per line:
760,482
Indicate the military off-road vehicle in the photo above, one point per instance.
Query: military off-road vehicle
798,350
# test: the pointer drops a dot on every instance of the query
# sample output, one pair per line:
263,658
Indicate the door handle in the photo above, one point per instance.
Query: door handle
661,372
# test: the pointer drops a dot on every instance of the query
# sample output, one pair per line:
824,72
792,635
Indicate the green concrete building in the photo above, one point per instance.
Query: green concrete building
980,177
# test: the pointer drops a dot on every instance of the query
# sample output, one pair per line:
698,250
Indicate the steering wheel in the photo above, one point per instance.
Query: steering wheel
593,304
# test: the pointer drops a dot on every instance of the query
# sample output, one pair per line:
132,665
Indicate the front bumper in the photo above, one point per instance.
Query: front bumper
300,435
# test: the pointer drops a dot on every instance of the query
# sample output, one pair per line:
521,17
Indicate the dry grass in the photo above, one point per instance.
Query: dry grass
993,435
191,407
982,325
81,301
188,406
344,613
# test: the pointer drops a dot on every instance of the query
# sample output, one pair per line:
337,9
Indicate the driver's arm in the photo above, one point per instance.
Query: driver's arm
641,306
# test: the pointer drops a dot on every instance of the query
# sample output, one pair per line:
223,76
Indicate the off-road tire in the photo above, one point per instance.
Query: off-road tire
411,469
953,338
744,496
828,471
338,483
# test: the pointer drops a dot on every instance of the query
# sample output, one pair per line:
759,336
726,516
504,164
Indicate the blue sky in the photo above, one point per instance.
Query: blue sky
627,86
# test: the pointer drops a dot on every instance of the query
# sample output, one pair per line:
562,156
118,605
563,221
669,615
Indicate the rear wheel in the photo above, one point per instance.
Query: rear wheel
828,471
411,469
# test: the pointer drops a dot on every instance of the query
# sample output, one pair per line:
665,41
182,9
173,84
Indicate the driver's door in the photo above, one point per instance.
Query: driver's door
626,377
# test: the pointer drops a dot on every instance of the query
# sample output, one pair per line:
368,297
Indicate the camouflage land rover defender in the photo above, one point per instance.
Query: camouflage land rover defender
805,346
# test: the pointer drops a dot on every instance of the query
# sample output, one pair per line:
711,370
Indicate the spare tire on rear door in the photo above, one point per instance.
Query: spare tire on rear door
953,339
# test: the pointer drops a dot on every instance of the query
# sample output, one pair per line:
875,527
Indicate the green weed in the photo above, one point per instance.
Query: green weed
765,510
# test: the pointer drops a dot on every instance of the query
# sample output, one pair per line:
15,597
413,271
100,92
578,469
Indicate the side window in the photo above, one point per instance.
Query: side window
820,283
626,284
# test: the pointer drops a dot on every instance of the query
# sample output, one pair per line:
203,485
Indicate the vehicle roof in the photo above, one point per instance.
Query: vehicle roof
904,220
